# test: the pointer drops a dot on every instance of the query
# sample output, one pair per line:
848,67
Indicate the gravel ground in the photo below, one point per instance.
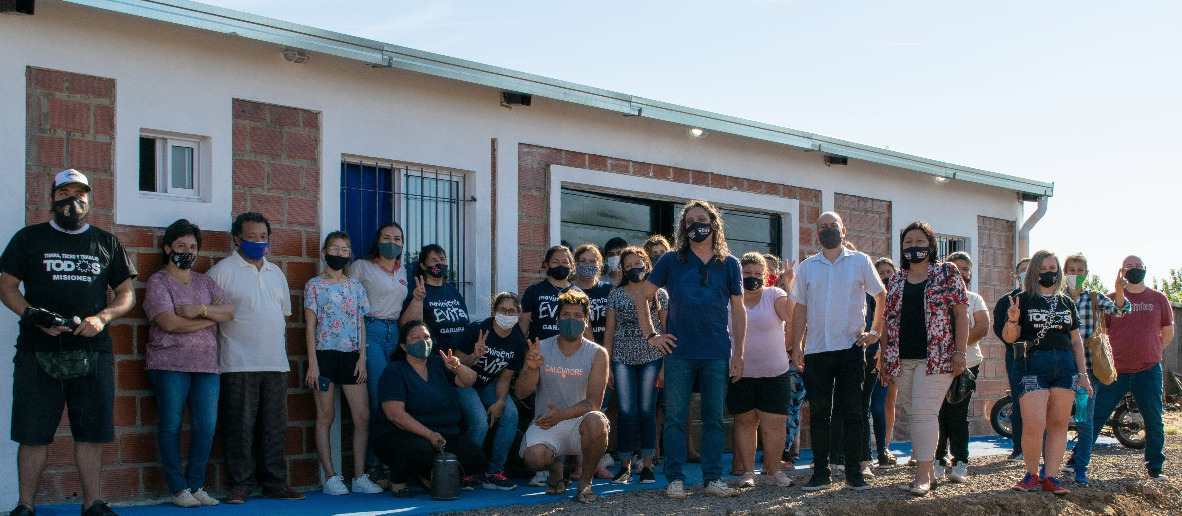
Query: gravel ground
1119,487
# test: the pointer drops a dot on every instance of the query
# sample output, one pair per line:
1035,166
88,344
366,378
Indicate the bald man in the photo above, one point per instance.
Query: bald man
1138,339
830,294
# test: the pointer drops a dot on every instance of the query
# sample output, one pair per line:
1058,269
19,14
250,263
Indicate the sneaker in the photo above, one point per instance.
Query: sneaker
647,476
938,470
236,495
204,498
185,499
837,468
676,490
781,479
912,463
469,483
607,461
1081,476
335,486
959,473
23,510
1156,474
1052,485
719,489
283,493
867,472
99,508
747,480
363,484
1015,456
885,461
624,475
540,478
498,482
817,482
857,484
1042,471
1027,483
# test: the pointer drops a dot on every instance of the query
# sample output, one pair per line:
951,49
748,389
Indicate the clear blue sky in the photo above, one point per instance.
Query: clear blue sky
1082,93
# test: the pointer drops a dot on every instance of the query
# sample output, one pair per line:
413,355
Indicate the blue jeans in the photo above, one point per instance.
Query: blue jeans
1081,455
795,402
473,402
1146,387
381,339
173,390
878,416
636,391
679,381
1014,374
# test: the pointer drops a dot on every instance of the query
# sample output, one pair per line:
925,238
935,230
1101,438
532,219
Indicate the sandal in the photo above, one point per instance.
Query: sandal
586,495
910,487
405,492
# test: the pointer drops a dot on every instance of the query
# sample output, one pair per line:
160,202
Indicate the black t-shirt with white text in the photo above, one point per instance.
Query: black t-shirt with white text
503,353
540,300
598,295
68,274
445,313
1036,313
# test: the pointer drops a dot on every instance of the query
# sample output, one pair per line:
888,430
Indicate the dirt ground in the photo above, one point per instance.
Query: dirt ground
1119,488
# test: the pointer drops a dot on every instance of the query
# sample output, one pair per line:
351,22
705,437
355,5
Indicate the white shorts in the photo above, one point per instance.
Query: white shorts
562,439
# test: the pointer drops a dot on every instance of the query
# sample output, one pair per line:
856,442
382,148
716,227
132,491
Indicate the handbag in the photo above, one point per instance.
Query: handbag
66,365
962,387
1103,366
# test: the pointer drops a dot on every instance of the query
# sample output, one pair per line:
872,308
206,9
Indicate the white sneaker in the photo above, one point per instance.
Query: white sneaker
781,478
867,472
607,461
939,471
363,484
676,490
185,499
540,479
719,489
960,472
748,480
335,486
204,498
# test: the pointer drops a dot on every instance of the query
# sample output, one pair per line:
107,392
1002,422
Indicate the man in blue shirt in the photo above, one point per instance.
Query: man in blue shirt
701,278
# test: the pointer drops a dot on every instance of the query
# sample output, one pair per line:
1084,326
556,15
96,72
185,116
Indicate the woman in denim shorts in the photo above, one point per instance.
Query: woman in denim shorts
1044,322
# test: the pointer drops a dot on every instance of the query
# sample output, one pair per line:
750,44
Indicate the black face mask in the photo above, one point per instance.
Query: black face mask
1048,278
915,254
830,237
438,270
699,231
1135,275
559,272
182,260
752,283
635,275
70,213
336,263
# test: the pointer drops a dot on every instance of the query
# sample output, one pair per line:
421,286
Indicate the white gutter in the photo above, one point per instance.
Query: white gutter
1024,233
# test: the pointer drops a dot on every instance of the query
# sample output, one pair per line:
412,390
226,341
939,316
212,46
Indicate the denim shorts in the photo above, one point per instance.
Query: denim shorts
1051,369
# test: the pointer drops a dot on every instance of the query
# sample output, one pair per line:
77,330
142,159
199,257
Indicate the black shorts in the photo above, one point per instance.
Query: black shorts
338,366
770,395
38,400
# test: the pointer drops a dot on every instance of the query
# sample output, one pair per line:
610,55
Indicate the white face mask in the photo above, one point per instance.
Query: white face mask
506,322
613,263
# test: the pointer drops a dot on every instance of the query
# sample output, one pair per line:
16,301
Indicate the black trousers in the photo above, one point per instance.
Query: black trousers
254,419
954,429
837,426
833,381
409,455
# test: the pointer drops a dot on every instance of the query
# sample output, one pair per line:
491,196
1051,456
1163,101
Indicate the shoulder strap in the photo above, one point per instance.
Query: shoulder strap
1098,314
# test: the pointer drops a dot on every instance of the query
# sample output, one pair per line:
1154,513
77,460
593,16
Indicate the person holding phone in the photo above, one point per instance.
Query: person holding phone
336,356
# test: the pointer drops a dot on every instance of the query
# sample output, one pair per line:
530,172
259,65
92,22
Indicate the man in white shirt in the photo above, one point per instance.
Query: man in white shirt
830,294
252,355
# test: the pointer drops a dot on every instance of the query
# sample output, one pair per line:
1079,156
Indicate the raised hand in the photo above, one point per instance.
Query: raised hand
450,360
789,271
480,348
1014,312
420,288
1120,280
533,355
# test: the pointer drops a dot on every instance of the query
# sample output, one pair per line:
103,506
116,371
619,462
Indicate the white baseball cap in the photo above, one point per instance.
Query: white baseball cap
66,177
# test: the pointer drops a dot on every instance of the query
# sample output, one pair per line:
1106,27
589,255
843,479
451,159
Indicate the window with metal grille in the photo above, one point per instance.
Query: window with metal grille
430,205
946,245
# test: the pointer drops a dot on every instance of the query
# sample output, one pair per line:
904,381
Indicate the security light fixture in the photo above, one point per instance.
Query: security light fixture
697,132
513,98
941,179
295,55
834,159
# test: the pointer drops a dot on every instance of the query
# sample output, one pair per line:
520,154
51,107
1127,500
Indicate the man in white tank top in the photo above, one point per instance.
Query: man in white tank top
569,374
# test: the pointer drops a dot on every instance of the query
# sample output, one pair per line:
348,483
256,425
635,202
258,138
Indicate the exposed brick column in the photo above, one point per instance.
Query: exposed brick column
995,264
867,223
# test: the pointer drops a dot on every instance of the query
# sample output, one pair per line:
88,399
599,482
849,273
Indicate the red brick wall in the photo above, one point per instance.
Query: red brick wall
867,223
533,176
70,124
995,263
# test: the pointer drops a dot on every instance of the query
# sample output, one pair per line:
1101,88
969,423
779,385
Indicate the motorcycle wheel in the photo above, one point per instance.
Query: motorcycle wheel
999,417
1128,427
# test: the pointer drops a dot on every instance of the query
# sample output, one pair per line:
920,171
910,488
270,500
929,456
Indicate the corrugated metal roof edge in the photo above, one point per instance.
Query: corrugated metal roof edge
376,53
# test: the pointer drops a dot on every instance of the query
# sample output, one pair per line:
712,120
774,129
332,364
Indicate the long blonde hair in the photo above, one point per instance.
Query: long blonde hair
1032,272
681,243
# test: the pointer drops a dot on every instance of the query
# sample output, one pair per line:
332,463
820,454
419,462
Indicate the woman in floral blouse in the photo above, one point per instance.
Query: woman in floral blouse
926,337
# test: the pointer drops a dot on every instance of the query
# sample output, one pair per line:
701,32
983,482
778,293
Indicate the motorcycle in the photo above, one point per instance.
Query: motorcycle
1126,422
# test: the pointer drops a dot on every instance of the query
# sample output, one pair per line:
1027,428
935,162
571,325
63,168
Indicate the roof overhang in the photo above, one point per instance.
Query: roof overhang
376,53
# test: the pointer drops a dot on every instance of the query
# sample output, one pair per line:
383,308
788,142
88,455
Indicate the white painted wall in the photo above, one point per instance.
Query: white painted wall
183,80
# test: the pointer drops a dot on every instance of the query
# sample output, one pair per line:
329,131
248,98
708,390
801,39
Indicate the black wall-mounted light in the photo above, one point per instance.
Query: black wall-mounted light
834,159
16,6
513,98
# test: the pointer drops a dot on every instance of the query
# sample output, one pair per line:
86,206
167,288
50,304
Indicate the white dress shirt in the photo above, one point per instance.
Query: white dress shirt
835,294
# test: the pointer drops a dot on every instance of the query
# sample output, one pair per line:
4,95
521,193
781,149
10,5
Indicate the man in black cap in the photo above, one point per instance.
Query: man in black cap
63,352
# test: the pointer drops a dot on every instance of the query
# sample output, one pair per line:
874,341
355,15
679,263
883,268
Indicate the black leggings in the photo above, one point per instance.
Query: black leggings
408,454
954,429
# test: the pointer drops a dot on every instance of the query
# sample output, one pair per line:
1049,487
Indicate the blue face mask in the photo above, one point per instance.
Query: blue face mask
389,250
419,349
570,329
253,250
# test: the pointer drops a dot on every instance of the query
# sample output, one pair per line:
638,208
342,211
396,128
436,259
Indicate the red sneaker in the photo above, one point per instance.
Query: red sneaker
1028,482
1052,485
